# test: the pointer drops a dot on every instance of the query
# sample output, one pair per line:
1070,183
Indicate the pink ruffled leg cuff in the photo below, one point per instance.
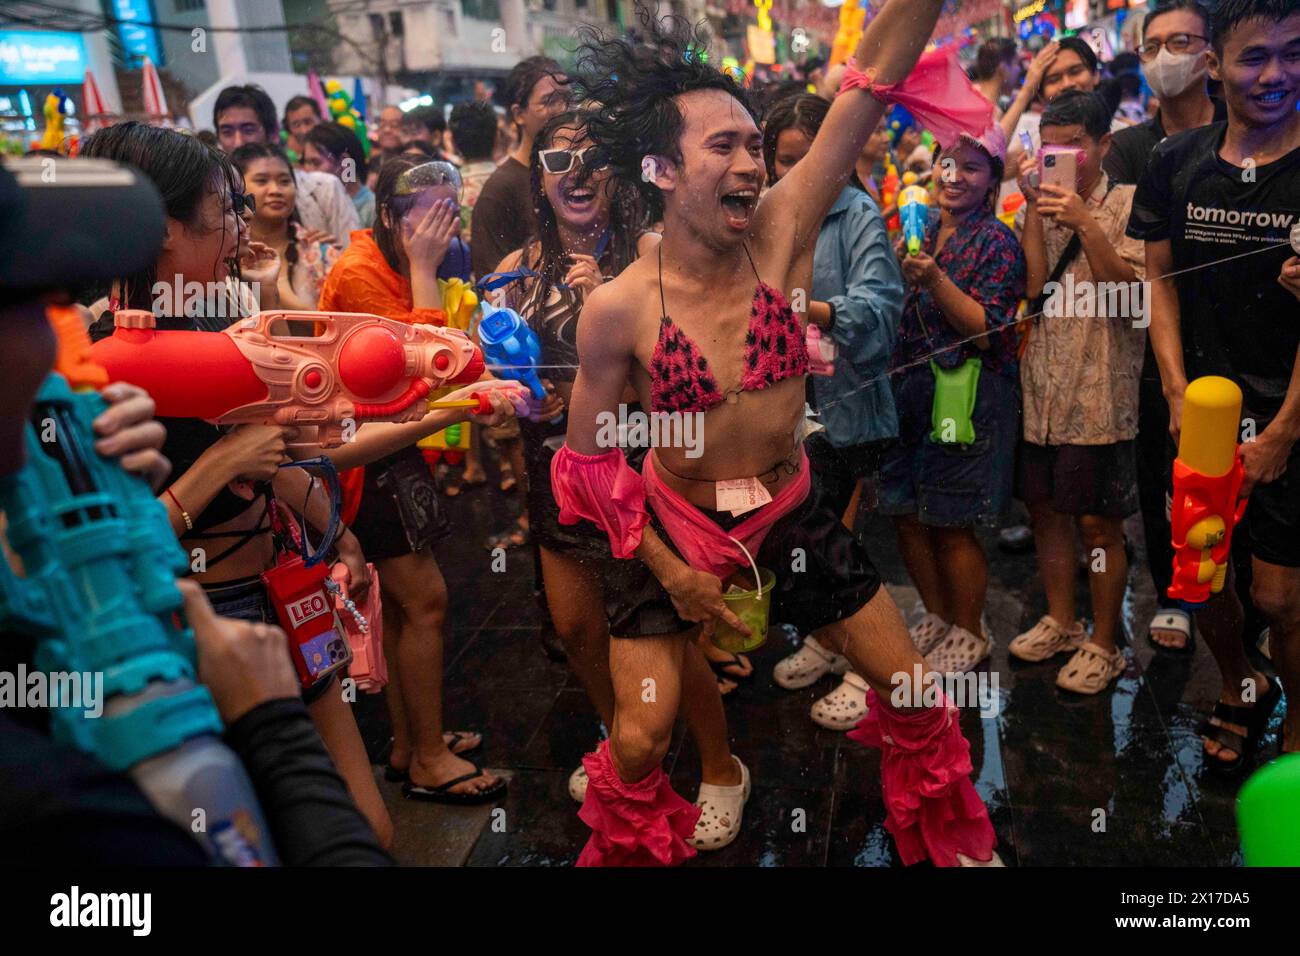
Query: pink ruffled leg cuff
931,807
633,824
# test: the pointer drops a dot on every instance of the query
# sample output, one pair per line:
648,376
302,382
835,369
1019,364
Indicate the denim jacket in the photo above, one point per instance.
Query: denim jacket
855,269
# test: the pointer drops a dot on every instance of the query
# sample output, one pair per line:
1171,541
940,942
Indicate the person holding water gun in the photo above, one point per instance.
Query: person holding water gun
55,801
588,228
392,270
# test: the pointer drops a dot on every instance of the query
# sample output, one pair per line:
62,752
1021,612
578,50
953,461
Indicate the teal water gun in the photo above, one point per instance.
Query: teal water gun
98,594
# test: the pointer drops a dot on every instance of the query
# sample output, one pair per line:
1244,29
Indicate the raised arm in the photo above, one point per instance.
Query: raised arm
890,47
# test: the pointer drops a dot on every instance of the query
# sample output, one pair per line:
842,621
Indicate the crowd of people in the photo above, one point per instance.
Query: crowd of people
683,246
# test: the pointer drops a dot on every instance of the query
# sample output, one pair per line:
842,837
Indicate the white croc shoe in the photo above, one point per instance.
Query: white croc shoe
960,651
808,665
928,632
964,860
1047,639
844,707
578,784
721,812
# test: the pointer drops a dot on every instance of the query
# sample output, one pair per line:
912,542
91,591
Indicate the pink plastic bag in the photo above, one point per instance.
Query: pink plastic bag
368,667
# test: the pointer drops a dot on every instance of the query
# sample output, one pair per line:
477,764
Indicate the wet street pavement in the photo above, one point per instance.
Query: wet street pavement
1117,779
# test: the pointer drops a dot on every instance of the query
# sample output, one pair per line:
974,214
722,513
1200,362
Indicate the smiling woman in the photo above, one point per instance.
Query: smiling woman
306,255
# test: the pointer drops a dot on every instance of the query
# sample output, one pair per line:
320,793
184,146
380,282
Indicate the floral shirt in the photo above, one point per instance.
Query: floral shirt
1079,375
984,260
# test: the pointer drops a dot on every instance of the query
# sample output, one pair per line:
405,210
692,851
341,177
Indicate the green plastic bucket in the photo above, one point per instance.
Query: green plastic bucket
751,606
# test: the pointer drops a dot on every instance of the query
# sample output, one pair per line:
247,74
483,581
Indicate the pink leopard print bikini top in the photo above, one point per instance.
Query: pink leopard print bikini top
680,377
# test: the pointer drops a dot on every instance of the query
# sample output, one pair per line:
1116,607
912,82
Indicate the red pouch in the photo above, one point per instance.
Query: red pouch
369,668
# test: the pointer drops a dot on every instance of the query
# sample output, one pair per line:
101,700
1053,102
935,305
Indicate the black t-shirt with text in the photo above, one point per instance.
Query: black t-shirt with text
1228,228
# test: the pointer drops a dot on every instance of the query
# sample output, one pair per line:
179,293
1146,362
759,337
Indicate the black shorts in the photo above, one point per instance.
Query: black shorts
583,541
1273,511
1079,479
400,512
823,574
840,468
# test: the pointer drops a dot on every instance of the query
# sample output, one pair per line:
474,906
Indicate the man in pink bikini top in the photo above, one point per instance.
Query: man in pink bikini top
707,327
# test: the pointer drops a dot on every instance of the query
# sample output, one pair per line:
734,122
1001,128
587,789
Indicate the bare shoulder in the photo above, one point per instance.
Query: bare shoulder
609,317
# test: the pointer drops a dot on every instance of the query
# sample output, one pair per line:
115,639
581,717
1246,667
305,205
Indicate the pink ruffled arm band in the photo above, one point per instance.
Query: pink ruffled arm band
604,490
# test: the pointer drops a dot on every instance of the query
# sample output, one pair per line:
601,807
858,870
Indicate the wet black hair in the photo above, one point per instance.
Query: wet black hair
249,153
635,86
430,117
1229,14
474,128
184,170
252,97
626,219
525,75
297,103
804,112
992,53
338,141
1162,7
1083,49
1076,107
393,207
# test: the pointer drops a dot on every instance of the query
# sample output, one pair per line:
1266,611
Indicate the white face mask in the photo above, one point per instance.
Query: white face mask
1169,74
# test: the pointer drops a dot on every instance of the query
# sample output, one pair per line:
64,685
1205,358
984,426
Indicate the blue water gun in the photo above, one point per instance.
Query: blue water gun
99,596
510,346
913,210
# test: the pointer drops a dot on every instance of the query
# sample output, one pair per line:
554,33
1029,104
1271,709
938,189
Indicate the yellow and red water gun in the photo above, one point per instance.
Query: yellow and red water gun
1208,475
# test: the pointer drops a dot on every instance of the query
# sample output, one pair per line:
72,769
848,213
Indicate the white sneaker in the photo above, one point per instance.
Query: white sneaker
578,784
722,809
928,632
808,665
844,707
960,651
1047,639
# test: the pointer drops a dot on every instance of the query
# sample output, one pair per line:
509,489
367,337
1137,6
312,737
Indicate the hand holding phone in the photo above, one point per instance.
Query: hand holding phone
1059,166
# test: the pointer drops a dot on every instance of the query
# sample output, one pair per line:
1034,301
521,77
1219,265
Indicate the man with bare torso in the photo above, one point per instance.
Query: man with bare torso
704,327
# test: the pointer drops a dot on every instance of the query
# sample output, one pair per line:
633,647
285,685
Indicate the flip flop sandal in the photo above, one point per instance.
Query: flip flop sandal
928,632
578,781
452,739
721,812
733,661
960,651
1254,719
844,707
443,792
1046,639
808,665
1172,619
1091,670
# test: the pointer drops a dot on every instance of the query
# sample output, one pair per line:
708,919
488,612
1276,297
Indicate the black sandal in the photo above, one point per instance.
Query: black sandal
1254,719
443,793
393,775
717,668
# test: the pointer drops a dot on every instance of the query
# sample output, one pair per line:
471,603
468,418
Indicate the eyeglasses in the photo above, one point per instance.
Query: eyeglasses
560,161
1178,43
241,201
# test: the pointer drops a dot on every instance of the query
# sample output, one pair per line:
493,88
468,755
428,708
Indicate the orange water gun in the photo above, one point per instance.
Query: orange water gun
1208,475
323,372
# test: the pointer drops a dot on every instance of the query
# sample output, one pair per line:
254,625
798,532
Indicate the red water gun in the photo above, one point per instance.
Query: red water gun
323,372
1208,474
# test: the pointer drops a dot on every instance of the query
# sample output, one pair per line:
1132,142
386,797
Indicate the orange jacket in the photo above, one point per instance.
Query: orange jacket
363,281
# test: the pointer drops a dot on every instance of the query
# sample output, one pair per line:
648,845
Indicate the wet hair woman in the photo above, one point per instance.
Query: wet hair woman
392,270
223,480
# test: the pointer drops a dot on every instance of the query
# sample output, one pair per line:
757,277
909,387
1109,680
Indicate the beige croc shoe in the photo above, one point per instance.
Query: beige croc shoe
578,784
928,632
808,665
844,707
721,811
1047,639
960,651
1091,670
